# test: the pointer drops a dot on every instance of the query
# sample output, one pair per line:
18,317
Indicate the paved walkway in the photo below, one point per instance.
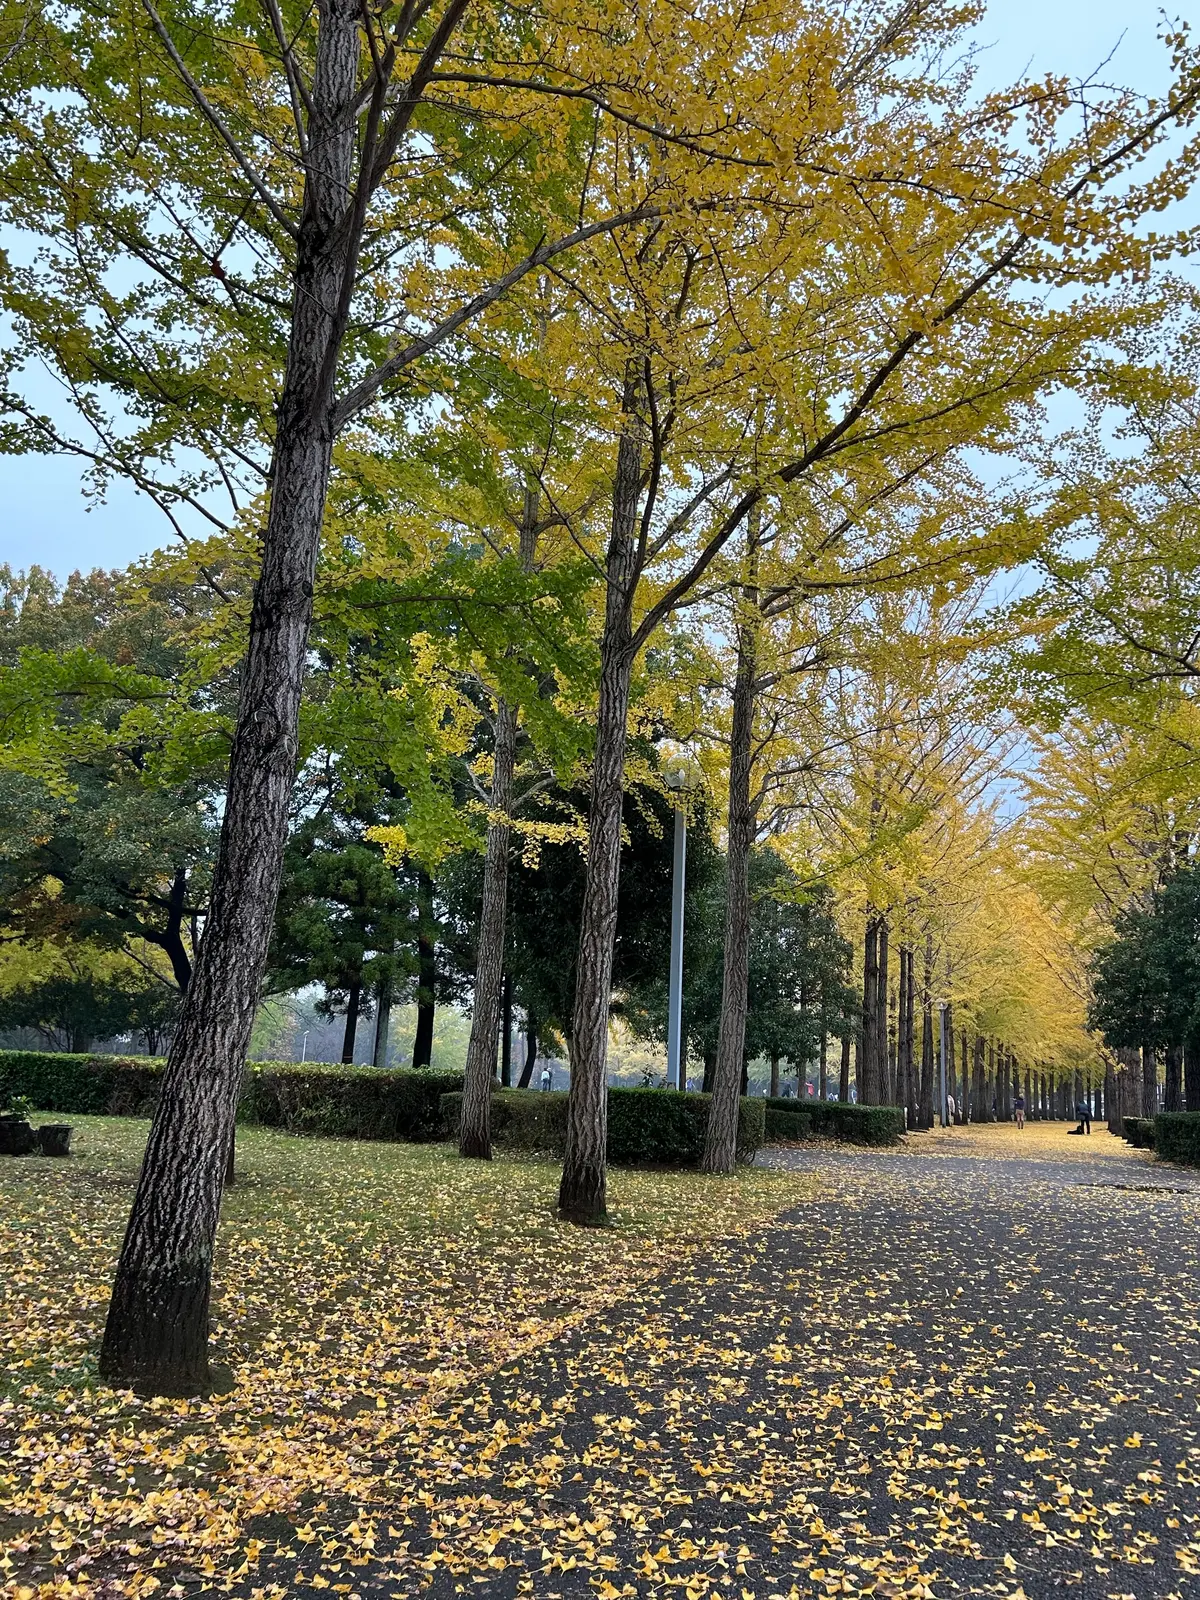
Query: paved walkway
966,1367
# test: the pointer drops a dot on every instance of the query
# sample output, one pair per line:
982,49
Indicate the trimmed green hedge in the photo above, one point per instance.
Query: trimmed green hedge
787,1126
346,1102
1177,1136
1139,1132
645,1126
833,1119
302,1097
112,1086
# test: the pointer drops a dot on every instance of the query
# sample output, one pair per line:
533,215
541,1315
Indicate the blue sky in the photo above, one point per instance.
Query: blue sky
47,520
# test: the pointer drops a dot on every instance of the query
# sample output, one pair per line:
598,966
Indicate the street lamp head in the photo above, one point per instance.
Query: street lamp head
679,773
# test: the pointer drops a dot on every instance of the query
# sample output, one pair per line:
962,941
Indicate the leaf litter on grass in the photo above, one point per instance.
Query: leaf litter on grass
356,1287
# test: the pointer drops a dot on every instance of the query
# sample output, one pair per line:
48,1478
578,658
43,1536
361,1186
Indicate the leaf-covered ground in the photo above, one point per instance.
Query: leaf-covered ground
358,1286
967,1367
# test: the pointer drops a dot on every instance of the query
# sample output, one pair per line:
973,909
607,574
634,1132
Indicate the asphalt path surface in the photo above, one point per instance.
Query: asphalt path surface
968,1366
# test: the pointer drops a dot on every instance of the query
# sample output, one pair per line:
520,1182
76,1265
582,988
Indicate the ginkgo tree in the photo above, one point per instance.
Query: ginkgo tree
864,322
250,227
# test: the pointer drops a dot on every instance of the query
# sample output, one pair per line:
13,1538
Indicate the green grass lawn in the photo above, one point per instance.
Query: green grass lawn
356,1285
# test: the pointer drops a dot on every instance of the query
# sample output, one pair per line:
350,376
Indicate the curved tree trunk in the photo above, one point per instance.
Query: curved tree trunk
156,1335
720,1138
582,1190
475,1127
531,1050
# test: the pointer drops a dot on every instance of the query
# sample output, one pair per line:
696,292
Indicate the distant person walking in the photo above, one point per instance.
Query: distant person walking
546,1080
1084,1112
951,1110
1019,1110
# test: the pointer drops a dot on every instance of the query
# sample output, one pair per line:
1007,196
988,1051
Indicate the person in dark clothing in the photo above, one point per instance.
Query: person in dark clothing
1084,1112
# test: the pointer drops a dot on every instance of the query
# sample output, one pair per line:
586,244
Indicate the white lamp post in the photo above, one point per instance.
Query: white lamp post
680,777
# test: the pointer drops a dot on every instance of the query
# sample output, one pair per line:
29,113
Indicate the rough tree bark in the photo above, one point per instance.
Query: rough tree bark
581,1194
720,1138
979,1092
1149,1081
475,1127
156,1335
1173,1079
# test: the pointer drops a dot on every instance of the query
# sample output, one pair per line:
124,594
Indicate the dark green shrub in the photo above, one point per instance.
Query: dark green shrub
308,1097
1139,1132
832,1119
346,1102
656,1127
81,1085
787,1126
1177,1136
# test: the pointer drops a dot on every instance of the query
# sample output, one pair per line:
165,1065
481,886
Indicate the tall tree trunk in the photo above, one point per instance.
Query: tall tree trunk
868,1076
475,1128
979,1092
1173,1080
720,1138
506,1017
1149,1081
531,1050
774,1090
844,1072
881,1013
928,1063
383,1022
581,1193
422,1050
350,1032
710,1069
1191,1073
912,1113
156,1335
823,1067
902,1026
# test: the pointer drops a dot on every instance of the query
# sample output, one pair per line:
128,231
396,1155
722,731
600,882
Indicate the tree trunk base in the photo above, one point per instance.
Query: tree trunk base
582,1198
156,1336
475,1147
719,1164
